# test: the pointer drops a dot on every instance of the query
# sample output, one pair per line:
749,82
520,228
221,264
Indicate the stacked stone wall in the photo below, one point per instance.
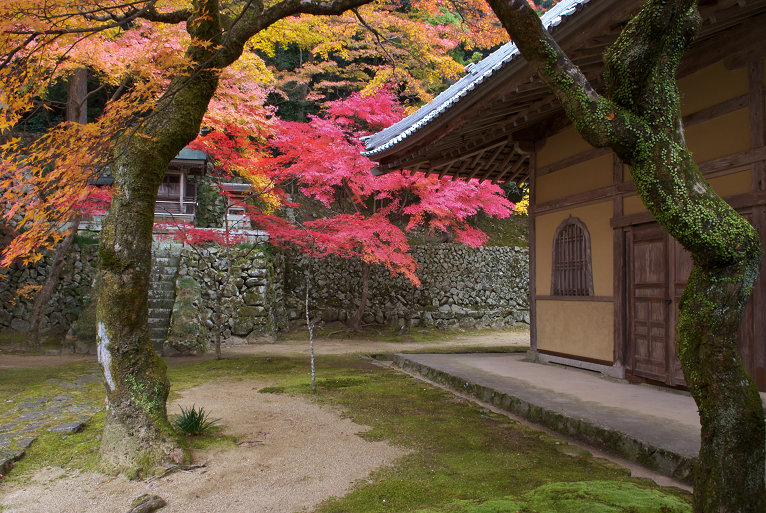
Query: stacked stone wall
460,287
249,306
74,288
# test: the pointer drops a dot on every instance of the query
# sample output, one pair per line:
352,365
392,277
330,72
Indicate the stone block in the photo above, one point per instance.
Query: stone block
67,428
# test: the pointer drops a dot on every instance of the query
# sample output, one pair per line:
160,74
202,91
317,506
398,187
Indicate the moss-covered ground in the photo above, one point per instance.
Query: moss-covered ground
461,458
339,331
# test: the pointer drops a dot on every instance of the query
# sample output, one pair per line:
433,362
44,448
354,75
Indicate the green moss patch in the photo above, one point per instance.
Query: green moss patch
462,458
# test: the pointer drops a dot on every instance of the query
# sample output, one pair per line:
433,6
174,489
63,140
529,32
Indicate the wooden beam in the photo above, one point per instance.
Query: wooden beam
513,171
738,201
506,162
460,155
724,44
488,164
716,110
734,160
572,160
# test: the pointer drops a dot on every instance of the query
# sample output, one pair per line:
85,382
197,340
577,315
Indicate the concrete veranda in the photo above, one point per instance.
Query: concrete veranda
653,426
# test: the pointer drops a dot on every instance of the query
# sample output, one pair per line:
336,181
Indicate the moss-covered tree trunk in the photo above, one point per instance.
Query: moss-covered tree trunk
137,435
639,117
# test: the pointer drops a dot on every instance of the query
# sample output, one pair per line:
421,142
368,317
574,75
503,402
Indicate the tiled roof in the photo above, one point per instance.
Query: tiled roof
477,74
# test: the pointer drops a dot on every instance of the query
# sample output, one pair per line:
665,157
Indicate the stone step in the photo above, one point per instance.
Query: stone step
160,303
162,285
158,335
164,272
158,323
165,293
166,261
160,313
164,275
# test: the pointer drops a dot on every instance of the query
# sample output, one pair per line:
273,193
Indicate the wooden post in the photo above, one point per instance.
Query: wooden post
618,249
757,104
181,192
532,254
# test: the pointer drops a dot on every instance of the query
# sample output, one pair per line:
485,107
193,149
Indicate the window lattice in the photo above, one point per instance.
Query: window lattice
572,274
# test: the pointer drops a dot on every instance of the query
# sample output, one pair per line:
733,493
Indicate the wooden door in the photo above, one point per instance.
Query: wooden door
659,268
649,304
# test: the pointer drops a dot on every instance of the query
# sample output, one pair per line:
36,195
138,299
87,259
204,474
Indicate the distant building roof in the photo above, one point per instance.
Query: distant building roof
188,154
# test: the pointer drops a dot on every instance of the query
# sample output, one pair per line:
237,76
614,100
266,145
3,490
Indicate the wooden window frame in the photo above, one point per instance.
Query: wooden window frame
582,281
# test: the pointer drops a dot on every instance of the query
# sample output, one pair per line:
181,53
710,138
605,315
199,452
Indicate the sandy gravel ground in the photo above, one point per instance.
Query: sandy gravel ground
293,456
335,346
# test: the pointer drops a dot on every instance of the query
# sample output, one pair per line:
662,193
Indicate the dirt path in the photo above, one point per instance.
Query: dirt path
352,346
294,455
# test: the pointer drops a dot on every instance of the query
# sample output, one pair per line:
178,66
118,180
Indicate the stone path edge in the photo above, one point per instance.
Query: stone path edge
665,462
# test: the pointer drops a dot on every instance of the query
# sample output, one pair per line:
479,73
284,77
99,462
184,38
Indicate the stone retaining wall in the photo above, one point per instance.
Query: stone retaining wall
460,287
74,287
249,307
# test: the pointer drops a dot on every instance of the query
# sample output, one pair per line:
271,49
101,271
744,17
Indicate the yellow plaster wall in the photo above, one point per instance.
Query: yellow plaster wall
720,136
586,176
560,146
596,218
735,183
710,86
633,205
581,328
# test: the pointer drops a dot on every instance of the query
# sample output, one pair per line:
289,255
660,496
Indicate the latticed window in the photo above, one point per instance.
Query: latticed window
572,274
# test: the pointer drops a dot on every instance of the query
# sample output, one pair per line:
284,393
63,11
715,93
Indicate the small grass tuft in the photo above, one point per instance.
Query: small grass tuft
194,422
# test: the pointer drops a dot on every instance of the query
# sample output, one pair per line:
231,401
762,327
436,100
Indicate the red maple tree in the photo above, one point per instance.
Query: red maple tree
359,215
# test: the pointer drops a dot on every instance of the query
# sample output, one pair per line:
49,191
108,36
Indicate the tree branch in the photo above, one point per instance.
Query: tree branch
599,121
255,18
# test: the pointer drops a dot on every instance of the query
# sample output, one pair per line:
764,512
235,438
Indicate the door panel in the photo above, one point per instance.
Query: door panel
659,270
648,290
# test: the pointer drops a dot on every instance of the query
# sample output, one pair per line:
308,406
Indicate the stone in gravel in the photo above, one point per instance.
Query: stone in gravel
67,428
62,397
7,427
54,410
147,503
5,442
24,443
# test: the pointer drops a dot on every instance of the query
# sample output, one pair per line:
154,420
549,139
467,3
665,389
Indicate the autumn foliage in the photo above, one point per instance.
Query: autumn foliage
359,215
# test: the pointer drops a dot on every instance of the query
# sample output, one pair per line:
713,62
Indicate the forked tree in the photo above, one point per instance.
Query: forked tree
638,115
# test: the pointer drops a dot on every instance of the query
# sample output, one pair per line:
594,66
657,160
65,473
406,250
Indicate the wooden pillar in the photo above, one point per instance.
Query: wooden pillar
532,251
181,191
618,249
757,105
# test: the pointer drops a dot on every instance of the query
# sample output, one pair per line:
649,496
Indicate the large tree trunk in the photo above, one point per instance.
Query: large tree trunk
137,436
639,117
76,112
44,296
